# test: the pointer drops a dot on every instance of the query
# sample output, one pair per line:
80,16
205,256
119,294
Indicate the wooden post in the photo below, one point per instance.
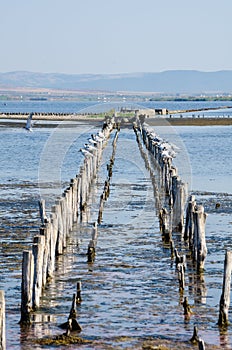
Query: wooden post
187,308
38,253
94,233
72,324
225,297
42,211
91,252
78,296
201,344
179,191
27,286
181,277
195,337
60,230
2,321
199,243
189,225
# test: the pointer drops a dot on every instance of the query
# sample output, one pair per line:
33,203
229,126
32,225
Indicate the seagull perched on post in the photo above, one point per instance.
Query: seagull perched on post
28,125
90,147
85,152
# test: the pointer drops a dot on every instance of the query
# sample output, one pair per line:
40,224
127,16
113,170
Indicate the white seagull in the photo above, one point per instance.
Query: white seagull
86,153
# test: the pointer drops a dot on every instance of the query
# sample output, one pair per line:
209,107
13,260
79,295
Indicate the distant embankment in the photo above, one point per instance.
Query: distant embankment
53,116
189,121
18,118
198,110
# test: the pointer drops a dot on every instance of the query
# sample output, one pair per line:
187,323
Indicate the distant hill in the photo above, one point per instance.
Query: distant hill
173,81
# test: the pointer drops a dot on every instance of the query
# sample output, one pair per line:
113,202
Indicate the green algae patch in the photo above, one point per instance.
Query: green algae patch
61,340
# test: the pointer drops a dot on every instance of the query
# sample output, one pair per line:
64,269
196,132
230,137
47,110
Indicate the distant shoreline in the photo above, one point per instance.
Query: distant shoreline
189,121
17,119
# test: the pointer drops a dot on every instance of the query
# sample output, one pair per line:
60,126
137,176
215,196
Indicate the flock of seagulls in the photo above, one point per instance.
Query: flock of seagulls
89,148
166,149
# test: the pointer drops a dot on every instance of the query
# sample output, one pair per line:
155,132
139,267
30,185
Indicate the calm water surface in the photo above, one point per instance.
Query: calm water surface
132,288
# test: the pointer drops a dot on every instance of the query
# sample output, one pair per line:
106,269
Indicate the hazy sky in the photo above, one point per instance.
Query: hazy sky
115,36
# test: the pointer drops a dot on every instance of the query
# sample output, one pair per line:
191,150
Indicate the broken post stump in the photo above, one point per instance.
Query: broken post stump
187,308
72,324
91,252
78,295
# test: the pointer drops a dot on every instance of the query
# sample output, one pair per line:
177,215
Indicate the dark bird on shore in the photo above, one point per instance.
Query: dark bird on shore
217,205
28,125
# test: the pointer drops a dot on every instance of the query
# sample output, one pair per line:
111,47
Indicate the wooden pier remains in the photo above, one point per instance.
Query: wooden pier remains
38,263
173,204
177,212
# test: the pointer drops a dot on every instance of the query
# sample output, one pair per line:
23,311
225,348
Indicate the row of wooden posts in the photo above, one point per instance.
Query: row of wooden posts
39,262
175,194
104,196
181,213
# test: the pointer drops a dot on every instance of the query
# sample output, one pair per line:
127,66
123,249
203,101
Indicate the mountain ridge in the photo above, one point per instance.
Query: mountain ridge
169,81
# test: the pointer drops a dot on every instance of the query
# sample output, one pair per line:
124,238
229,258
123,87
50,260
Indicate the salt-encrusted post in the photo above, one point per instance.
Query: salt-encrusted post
189,226
27,286
199,243
2,321
38,253
225,297
179,191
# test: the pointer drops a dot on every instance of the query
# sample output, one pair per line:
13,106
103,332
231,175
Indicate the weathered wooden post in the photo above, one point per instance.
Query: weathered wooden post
42,211
99,219
2,321
199,243
78,296
187,308
225,297
60,231
201,344
189,225
94,233
27,286
91,252
181,277
38,254
72,324
179,191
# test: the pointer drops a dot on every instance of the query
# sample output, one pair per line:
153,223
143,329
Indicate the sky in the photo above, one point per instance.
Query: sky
115,36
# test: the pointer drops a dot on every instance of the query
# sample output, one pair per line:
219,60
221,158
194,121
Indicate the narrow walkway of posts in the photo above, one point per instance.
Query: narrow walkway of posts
104,196
39,262
172,193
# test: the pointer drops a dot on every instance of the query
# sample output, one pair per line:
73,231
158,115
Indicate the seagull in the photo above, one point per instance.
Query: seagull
92,141
100,134
97,138
28,125
86,153
90,147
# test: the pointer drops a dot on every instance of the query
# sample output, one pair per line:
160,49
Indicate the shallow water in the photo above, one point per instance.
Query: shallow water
132,288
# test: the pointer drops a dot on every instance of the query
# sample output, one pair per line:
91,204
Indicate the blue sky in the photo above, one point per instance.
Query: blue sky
115,36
